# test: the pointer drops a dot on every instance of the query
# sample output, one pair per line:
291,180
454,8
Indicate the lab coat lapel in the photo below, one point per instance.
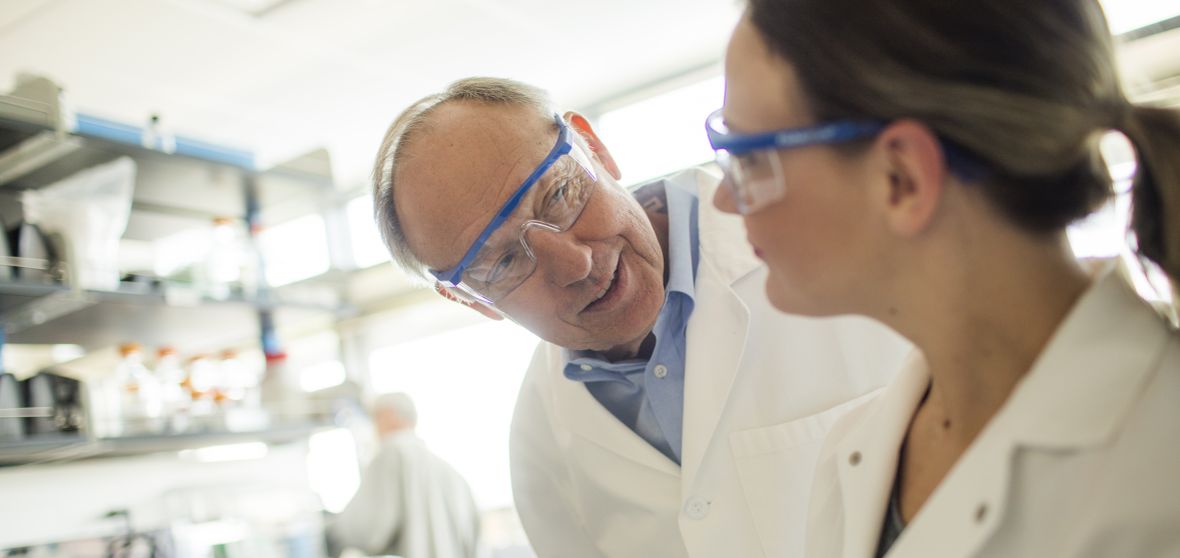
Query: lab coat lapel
1103,378
587,418
716,337
716,334
867,460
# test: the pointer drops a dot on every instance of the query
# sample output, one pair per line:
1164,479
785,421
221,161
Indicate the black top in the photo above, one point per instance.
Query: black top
894,524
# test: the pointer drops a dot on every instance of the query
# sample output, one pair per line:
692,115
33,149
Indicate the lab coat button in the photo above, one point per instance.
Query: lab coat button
660,371
854,459
980,513
696,508
587,368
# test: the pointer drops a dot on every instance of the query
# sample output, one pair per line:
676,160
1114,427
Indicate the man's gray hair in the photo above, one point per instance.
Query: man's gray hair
412,122
399,404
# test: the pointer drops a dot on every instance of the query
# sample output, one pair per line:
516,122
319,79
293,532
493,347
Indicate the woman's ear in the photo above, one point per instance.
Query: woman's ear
466,301
917,175
597,149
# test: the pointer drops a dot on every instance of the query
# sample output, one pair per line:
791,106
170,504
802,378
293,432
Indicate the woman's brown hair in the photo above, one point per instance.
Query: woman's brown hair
1026,88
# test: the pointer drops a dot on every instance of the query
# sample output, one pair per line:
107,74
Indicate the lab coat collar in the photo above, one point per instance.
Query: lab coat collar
1083,385
732,260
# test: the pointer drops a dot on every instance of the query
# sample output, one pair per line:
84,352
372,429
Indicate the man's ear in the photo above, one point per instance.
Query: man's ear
597,149
917,175
472,304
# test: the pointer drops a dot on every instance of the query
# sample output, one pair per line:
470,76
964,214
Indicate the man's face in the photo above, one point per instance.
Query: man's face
458,173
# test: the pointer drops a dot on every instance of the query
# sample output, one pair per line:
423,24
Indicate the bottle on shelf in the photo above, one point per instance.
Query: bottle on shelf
174,397
243,402
202,384
156,136
223,263
233,377
141,403
11,426
106,407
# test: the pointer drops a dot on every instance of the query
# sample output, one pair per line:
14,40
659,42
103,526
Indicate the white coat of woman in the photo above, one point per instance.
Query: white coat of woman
918,162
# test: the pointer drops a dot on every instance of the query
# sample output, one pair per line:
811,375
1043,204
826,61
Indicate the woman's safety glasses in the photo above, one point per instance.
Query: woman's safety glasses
753,172
551,199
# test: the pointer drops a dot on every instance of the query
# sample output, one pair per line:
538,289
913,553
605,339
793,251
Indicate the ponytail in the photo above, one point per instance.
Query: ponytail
1155,215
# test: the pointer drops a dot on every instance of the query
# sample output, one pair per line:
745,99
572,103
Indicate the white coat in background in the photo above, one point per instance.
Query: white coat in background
410,503
1083,460
761,391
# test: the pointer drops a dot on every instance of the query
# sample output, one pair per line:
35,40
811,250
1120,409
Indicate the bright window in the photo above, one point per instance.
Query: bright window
664,133
295,250
367,248
332,467
464,383
1127,15
1104,234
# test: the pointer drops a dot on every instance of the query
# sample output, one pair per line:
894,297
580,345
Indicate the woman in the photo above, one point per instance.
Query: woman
917,162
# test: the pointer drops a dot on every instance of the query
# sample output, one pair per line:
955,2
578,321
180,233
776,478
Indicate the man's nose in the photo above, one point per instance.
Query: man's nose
723,197
560,256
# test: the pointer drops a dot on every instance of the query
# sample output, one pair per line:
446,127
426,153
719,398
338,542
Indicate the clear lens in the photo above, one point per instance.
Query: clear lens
755,179
554,203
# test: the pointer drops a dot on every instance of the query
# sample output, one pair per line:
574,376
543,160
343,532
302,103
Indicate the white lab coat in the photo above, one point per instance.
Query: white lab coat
410,503
761,390
1083,460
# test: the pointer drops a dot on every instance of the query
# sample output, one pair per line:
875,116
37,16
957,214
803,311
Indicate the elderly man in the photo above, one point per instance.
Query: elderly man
670,411
410,502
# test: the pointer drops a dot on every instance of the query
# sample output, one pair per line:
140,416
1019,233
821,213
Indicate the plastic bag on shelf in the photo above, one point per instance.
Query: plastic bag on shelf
90,211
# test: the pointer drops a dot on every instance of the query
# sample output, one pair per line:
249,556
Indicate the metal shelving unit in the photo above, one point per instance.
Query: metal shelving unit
181,187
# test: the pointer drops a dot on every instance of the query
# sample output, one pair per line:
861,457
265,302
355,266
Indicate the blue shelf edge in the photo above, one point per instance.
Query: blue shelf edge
93,126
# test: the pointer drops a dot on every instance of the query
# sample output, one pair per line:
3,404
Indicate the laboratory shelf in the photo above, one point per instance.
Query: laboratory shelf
34,313
174,191
63,448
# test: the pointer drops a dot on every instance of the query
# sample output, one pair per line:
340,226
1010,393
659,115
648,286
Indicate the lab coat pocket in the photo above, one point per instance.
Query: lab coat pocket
775,467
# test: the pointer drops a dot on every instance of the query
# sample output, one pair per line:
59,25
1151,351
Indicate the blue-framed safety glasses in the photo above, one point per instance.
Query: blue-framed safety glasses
550,199
751,162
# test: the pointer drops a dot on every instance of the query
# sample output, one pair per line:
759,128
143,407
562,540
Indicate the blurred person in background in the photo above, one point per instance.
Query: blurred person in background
410,502
920,167
670,411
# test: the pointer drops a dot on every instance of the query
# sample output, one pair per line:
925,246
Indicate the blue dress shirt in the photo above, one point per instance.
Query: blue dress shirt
648,395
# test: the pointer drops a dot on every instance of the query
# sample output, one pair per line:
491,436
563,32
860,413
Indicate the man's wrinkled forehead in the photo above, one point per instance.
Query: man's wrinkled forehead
459,169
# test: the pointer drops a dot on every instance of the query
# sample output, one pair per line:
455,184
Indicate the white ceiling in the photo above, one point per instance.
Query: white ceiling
334,73
310,73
